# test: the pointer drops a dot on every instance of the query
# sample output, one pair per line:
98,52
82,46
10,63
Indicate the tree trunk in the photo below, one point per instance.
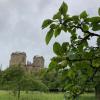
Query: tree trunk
18,94
97,92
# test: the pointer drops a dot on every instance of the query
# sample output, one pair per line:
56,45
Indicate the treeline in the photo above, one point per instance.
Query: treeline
17,79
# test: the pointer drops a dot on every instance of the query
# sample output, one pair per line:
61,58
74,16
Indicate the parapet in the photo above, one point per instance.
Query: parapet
18,53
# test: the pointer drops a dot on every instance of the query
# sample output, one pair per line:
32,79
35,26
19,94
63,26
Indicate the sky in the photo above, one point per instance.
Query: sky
20,26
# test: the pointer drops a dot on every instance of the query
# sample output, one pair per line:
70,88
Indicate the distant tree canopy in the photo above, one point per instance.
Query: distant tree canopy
17,79
53,81
78,61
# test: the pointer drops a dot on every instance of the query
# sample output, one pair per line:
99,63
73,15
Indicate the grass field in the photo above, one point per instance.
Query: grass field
4,95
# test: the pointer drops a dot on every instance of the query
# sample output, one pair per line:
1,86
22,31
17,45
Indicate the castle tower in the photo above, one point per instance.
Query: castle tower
18,58
38,61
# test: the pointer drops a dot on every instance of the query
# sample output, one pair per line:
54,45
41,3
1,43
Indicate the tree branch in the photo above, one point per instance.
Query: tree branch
89,33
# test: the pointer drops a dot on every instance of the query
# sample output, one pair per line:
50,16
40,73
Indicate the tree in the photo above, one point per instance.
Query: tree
0,79
52,80
16,78
30,83
12,79
78,61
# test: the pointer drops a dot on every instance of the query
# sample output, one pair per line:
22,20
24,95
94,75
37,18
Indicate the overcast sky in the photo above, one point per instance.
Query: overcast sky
20,25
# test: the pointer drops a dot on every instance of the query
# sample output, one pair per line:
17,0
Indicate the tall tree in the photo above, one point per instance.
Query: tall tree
78,61
12,79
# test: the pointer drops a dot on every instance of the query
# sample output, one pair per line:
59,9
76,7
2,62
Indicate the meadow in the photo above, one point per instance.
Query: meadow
6,95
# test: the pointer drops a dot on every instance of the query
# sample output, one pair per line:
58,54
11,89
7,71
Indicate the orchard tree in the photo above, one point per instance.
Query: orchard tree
77,60
12,79
30,83
17,79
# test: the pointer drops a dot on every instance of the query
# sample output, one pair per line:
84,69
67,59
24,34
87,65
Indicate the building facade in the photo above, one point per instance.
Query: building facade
19,58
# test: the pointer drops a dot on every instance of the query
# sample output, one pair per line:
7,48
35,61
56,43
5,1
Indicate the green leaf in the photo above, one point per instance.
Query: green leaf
99,11
75,18
57,48
46,23
53,26
57,31
65,46
71,74
85,27
52,65
96,62
57,16
96,27
64,63
80,47
64,28
83,15
57,59
63,9
73,31
71,55
49,36
93,19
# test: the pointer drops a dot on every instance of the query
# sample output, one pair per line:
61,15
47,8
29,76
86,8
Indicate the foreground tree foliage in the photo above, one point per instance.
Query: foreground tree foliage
77,60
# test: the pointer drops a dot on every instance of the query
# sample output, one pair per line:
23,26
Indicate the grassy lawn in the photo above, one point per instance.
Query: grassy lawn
4,95
88,97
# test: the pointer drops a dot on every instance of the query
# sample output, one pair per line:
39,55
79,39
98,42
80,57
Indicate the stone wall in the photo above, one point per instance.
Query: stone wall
38,61
18,58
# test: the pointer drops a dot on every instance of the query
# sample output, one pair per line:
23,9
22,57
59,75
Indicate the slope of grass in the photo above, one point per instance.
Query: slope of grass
5,95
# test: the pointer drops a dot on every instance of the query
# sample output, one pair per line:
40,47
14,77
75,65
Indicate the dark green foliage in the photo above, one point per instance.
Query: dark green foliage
46,23
57,16
63,9
85,27
57,31
49,36
78,62
12,78
57,48
83,15
52,79
17,79
99,11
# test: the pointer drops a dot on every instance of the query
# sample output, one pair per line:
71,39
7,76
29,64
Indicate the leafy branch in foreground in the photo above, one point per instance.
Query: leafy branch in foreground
78,62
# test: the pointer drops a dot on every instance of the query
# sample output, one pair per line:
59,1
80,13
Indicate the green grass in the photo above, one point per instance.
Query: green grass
88,96
4,95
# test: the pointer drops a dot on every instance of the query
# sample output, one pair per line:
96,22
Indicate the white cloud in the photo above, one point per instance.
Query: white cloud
20,25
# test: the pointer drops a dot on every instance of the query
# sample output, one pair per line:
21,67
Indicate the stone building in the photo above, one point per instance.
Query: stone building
38,61
19,58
